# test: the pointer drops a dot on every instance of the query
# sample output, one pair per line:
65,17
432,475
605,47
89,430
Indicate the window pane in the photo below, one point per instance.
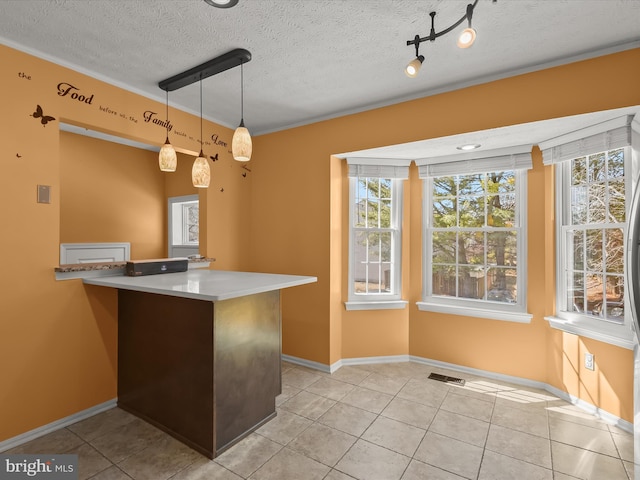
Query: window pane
579,171
373,280
373,247
614,300
471,184
444,213
372,213
501,210
501,182
444,280
576,293
444,247
579,205
385,247
594,251
597,168
471,248
595,294
501,284
471,282
444,186
501,248
471,211
385,213
597,203
615,166
576,250
614,250
617,201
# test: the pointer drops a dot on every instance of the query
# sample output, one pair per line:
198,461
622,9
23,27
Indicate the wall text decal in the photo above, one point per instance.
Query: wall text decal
150,116
68,90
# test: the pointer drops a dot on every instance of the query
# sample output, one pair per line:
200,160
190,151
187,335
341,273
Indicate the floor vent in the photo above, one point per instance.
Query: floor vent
446,379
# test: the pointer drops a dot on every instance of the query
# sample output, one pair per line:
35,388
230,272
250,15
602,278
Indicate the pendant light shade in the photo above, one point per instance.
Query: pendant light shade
241,145
201,173
167,159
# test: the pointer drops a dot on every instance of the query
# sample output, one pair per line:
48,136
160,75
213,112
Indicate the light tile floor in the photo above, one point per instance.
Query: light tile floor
370,422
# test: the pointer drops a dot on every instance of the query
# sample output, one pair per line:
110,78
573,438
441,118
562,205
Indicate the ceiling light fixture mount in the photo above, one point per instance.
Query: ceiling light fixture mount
222,3
465,40
470,146
207,69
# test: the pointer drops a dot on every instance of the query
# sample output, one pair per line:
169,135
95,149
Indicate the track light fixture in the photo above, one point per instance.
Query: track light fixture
465,40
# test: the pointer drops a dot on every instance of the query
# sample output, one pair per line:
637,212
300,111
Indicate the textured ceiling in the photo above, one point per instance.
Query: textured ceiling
311,59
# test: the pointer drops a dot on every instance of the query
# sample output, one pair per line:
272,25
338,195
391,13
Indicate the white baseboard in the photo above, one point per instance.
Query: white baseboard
307,363
587,407
57,425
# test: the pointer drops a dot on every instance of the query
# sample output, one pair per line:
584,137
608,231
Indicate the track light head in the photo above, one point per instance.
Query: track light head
412,69
466,38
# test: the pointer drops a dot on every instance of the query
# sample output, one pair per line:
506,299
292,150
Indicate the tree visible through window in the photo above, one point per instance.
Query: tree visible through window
594,231
474,237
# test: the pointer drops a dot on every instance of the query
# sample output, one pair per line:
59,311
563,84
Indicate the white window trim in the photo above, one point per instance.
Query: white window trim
488,313
398,171
516,158
606,136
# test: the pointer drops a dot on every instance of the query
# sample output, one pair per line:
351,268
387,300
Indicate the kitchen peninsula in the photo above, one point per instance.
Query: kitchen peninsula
199,351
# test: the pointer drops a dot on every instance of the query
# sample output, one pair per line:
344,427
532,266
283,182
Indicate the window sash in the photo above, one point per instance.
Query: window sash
520,266
392,280
565,259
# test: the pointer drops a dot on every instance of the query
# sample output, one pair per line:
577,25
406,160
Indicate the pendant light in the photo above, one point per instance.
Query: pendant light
241,146
167,159
200,173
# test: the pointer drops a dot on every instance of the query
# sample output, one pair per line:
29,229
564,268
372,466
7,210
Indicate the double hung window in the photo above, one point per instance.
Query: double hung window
593,198
475,237
375,235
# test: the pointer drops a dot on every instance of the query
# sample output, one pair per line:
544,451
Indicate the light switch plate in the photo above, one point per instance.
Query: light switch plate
44,194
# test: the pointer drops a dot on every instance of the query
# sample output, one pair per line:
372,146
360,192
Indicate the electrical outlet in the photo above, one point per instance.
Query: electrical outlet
588,361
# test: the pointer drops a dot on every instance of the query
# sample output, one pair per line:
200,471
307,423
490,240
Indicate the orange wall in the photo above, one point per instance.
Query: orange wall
310,215
58,338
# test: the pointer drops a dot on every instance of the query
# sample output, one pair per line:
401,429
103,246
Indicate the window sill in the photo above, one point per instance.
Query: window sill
517,317
617,335
376,305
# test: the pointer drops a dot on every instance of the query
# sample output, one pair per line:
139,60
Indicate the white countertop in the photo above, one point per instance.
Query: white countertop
212,285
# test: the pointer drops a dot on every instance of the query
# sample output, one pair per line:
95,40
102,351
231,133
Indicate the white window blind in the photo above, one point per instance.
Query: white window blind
378,171
520,161
615,133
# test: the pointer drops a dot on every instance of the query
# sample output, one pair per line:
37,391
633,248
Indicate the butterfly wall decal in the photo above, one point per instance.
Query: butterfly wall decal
214,159
44,119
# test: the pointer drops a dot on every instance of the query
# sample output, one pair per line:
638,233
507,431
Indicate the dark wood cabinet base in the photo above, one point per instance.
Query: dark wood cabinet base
205,372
